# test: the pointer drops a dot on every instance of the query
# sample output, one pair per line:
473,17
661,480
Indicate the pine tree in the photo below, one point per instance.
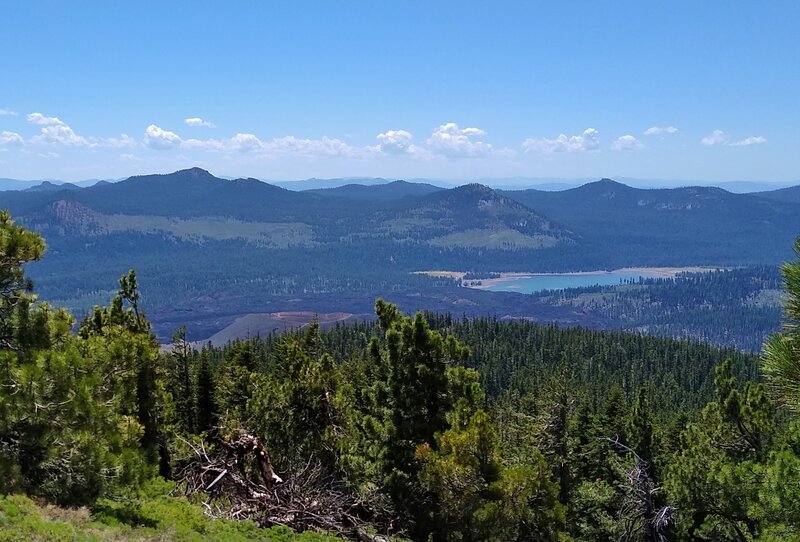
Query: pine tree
181,380
640,429
18,246
296,407
235,383
68,427
781,359
206,391
122,333
714,477
420,394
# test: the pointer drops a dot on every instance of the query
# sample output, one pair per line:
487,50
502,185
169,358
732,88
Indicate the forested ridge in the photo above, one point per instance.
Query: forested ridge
738,307
424,427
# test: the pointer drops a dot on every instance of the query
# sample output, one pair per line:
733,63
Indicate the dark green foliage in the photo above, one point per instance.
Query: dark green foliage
640,428
235,382
524,356
572,396
180,378
567,439
421,393
481,499
298,410
206,395
722,453
18,246
72,418
781,360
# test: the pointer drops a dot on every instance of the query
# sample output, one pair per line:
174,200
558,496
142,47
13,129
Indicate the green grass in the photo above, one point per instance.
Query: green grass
267,234
501,238
153,517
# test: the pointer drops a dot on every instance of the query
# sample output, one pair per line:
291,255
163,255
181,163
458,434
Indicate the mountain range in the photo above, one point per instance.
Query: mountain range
209,249
499,183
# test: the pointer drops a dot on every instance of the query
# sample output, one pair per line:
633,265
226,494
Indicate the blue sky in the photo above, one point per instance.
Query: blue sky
286,90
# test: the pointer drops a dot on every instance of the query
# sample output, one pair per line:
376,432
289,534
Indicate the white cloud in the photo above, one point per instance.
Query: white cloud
38,118
11,139
197,121
450,140
157,138
752,140
240,142
55,130
7,112
658,130
327,146
287,145
626,143
586,141
246,143
394,141
718,137
471,131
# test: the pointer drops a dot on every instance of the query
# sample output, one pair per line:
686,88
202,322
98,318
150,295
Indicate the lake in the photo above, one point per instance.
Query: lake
558,281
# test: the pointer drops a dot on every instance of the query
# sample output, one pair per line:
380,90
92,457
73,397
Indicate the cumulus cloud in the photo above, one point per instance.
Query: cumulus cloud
246,143
7,112
398,142
627,143
38,118
586,141
157,138
197,121
55,130
659,130
450,140
11,139
718,137
394,141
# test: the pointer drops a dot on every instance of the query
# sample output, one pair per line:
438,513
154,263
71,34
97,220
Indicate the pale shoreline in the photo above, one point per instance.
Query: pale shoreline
662,272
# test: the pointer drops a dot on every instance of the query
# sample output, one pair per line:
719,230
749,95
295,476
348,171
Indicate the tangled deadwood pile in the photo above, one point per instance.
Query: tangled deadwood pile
236,481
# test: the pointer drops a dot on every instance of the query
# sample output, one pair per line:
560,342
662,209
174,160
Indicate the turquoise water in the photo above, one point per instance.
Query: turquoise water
529,285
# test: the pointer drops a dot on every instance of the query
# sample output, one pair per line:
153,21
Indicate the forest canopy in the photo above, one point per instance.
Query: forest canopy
420,427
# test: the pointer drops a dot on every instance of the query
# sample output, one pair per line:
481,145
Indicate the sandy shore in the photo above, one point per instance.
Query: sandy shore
665,272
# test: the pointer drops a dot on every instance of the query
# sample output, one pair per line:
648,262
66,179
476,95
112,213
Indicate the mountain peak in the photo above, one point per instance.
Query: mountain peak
193,172
474,188
48,186
604,188
191,175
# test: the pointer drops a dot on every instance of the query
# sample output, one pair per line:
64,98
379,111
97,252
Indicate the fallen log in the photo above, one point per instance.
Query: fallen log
236,480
